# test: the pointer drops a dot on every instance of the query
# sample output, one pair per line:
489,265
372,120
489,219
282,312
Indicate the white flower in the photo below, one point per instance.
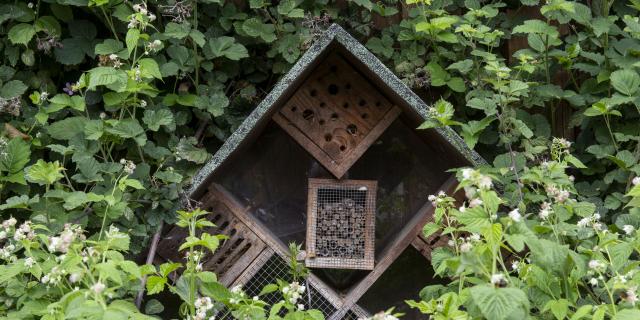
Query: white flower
113,57
636,181
9,223
75,277
475,237
475,202
30,5
485,182
583,222
593,281
98,287
515,266
628,229
3,235
595,264
630,296
29,262
237,289
432,198
467,173
462,208
498,279
515,215
300,307
466,247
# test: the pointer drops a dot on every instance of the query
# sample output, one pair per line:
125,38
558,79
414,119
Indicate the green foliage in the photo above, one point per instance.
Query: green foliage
107,106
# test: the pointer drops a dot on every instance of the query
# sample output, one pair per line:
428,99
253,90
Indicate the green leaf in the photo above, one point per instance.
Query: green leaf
22,33
67,128
177,31
110,77
12,89
17,153
429,229
156,118
456,84
187,150
149,68
127,128
254,27
155,284
44,173
626,81
499,303
133,35
215,103
108,47
228,48
627,314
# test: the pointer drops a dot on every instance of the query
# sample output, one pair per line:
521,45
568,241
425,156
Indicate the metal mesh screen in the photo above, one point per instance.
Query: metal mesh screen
340,228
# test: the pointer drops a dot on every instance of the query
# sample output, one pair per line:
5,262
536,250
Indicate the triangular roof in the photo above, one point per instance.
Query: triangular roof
375,69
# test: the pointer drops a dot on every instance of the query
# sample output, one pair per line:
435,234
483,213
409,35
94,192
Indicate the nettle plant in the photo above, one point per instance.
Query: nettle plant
203,297
551,256
63,275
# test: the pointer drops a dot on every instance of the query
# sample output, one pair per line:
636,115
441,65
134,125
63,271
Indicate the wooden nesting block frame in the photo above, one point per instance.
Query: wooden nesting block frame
341,224
336,114
233,254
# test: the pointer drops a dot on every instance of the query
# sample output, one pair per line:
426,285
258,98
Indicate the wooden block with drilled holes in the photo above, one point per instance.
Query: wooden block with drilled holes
336,114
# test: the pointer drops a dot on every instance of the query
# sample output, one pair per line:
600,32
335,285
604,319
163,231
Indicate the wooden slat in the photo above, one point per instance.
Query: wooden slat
391,253
242,213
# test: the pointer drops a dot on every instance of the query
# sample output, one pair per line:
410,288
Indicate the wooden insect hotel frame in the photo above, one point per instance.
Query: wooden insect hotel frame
330,160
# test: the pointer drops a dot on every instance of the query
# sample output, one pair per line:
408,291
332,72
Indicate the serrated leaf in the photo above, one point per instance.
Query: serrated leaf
499,303
16,156
21,33
156,118
12,89
67,128
187,151
44,173
626,81
107,76
228,48
155,284
149,68
131,39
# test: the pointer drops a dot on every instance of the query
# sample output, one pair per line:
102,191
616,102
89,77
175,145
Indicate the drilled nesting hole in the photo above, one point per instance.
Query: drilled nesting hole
352,129
334,116
333,89
343,148
313,92
327,137
322,104
333,68
347,86
294,109
307,114
321,122
364,115
345,105
362,103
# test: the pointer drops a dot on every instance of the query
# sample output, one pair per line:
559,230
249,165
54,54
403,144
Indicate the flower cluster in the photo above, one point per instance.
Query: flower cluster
128,166
591,221
237,294
381,316
466,243
62,242
141,17
559,195
477,179
203,305
545,211
293,292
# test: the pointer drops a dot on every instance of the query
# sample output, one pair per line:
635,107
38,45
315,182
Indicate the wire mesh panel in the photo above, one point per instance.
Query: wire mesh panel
341,224
273,267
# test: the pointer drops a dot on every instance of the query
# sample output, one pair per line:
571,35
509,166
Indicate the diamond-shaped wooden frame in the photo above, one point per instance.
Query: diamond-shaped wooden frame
336,114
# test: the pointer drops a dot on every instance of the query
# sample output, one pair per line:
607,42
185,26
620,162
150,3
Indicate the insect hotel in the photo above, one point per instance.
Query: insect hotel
331,159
